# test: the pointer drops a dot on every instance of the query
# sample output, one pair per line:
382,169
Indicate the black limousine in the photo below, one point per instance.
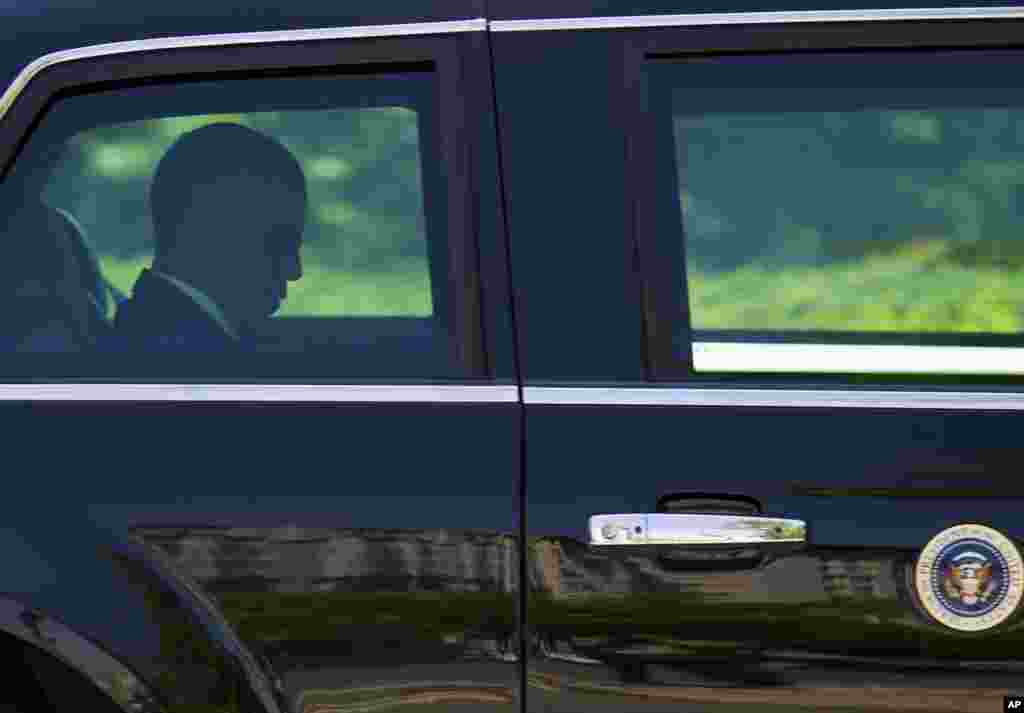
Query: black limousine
511,356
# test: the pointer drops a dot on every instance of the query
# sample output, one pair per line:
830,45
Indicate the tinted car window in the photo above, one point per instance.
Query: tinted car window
851,213
283,225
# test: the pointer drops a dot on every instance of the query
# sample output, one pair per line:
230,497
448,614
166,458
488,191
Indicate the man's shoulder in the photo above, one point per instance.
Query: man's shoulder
159,315
151,298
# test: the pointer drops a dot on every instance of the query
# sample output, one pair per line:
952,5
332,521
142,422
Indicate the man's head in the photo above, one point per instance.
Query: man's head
229,208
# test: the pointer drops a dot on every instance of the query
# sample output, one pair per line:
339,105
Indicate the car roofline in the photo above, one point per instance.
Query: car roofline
480,24
702,19
26,75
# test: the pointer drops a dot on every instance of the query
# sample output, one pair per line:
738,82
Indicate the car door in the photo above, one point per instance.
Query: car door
331,492
767,301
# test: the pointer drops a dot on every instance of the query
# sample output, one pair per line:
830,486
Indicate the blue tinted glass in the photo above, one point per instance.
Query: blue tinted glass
852,212
280,225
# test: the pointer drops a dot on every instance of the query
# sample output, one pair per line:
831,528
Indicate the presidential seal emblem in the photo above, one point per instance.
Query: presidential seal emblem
970,577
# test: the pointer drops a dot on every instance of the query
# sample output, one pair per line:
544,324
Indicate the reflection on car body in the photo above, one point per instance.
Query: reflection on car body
88,658
615,356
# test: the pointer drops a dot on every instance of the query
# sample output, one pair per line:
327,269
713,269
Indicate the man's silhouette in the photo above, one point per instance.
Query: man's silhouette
228,209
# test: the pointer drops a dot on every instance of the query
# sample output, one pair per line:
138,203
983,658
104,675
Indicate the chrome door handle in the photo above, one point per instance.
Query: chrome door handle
694,529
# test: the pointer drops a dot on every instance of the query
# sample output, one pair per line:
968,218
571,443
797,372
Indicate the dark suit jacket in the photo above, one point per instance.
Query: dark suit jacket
160,316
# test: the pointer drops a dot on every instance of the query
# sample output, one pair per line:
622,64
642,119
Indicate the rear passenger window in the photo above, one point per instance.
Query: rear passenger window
267,226
849,213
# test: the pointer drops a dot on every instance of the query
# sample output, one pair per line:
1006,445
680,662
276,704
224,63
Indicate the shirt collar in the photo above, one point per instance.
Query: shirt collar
211,308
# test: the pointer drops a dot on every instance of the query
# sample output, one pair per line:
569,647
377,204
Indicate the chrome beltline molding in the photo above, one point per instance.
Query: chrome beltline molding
782,398
831,358
508,394
756,18
222,40
263,393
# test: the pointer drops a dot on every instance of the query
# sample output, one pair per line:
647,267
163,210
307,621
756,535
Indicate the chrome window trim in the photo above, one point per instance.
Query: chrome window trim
756,18
263,393
230,39
773,398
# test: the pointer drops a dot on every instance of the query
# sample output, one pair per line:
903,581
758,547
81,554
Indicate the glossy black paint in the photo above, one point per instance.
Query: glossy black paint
620,631
393,525
431,470
577,291
649,633
342,476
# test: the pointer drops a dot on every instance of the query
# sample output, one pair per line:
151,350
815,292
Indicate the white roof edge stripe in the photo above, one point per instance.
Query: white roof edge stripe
228,39
793,398
250,393
742,18
495,393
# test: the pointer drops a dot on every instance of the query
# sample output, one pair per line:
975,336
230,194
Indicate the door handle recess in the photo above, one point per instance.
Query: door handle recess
693,529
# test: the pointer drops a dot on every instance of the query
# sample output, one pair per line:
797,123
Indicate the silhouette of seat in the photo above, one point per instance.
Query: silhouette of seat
99,289
44,303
